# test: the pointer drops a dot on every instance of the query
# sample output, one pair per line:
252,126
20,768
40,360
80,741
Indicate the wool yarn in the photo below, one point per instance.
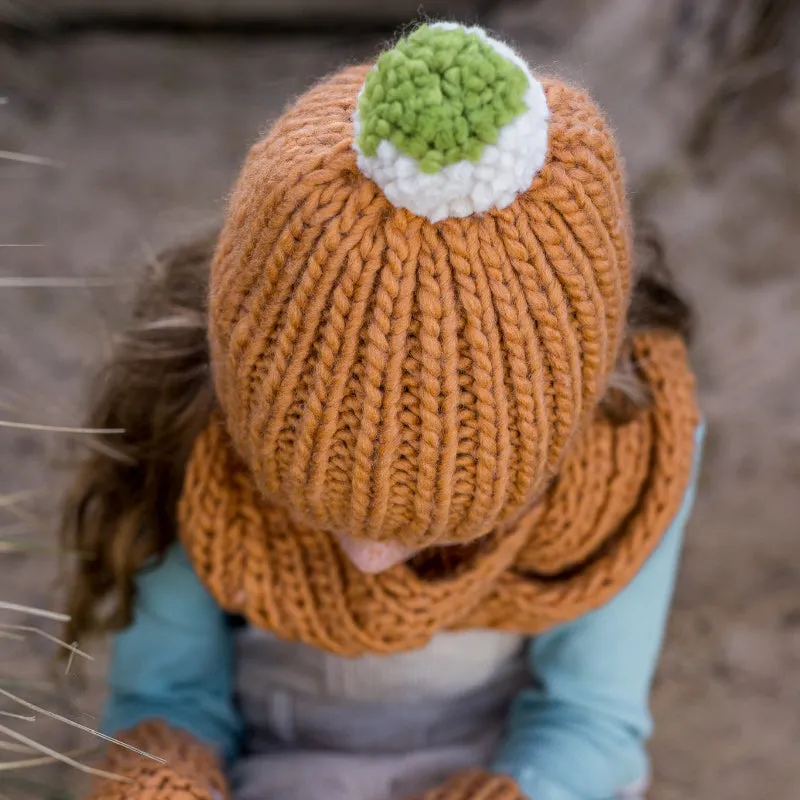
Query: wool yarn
450,123
475,784
395,378
191,771
618,490
440,96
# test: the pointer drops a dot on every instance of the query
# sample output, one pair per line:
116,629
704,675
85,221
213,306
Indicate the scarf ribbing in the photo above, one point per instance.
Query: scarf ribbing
617,490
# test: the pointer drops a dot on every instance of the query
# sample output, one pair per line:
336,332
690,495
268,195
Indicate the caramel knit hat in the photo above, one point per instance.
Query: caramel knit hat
419,291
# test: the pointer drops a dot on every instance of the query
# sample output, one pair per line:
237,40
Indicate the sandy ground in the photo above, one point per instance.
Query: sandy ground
151,131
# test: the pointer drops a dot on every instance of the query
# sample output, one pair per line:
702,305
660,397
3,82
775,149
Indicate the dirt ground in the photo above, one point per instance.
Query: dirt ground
150,132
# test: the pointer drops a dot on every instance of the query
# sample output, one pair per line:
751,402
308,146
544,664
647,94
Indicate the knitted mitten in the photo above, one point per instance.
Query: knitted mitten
475,784
191,771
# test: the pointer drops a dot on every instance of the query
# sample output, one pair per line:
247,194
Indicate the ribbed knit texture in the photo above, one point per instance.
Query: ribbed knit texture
618,490
397,379
475,784
191,772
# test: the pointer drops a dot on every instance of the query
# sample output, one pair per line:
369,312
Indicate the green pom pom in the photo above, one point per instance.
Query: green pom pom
440,96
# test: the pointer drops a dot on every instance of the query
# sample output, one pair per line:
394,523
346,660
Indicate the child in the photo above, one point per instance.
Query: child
398,512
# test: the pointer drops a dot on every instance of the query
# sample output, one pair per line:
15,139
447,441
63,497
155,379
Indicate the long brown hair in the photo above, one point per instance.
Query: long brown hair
119,515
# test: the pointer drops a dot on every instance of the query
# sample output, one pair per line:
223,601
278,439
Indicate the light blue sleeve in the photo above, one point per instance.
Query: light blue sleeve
175,661
580,734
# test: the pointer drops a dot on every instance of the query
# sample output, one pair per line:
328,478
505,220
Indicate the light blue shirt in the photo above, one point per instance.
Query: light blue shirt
580,734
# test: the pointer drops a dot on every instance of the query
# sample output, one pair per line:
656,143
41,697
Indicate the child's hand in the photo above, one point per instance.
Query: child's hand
190,772
475,784
159,783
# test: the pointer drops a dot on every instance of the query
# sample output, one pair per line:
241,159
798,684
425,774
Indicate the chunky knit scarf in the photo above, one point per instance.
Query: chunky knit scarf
618,488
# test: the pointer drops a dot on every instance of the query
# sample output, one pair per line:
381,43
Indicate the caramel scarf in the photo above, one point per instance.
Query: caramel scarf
618,489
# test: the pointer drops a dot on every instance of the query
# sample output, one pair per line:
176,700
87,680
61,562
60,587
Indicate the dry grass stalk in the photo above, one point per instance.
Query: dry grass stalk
13,498
22,717
33,753
56,756
26,158
41,761
36,612
29,426
73,648
12,747
46,282
52,714
14,546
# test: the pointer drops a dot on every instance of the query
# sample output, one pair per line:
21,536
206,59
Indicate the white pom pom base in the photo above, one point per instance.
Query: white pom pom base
504,170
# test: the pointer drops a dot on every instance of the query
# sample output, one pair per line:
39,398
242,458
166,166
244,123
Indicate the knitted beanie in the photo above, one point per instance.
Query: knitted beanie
419,291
